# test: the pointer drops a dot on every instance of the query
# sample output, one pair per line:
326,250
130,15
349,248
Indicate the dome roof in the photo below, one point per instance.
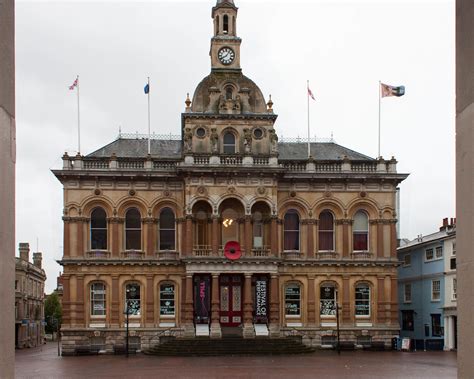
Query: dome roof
215,85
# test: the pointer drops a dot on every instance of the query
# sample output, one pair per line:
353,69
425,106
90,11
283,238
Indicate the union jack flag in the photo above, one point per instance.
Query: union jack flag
311,94
76,82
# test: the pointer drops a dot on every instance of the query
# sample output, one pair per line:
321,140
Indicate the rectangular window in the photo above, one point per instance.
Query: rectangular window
167,300
439,252
452,263
98,299
435,290
407,293
454,249
132,299
292,300
455,289
362,300
407,320
407,260
436,329
328,301
429,254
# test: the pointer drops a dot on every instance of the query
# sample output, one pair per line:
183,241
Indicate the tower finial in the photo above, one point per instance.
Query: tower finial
188,103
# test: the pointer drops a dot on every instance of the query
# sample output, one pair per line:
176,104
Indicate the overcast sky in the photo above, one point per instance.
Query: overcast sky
343,47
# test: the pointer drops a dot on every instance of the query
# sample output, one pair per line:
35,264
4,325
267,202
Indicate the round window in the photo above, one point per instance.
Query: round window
258,133
200,132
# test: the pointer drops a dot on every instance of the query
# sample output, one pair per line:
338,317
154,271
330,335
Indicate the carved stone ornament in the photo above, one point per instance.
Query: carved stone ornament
363,194
292,193
327,194
166,193
132,192
231,189
97,192
96,333
201,190
261,190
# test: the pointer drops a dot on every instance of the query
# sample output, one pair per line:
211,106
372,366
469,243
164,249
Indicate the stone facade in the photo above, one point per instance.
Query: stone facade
226,227
29,299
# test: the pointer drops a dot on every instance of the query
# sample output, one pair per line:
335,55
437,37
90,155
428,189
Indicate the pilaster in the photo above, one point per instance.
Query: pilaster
248,330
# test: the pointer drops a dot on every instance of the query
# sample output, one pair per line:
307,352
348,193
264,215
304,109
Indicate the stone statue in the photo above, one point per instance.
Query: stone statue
247,140
214,139
188,140
273,141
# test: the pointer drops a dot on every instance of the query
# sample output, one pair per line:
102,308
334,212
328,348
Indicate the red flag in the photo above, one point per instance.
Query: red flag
311,94
71,87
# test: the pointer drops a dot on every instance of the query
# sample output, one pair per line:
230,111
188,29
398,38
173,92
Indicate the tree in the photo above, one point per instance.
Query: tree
53,312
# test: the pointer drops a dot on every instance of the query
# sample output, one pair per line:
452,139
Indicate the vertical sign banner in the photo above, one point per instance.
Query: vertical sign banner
261,301
202,299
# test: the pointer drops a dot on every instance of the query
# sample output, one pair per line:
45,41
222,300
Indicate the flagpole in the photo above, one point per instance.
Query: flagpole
380,97
149,128
309,144
78,119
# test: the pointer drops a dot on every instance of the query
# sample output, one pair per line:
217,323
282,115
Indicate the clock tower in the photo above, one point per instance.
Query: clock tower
225,45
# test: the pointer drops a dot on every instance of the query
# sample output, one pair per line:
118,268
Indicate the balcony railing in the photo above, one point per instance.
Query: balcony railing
98,254
260,252
202,251
292,255
327,255
167,255
231,160
132,254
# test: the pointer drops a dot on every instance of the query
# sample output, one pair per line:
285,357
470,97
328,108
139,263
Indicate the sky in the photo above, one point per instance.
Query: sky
342,47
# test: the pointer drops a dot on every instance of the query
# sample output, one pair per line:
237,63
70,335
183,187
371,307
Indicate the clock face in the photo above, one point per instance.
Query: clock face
226,55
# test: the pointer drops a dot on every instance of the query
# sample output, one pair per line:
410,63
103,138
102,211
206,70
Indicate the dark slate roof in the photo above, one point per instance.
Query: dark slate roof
136,148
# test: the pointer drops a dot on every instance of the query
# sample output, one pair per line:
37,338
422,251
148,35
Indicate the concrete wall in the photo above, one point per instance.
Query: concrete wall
464,182
7,186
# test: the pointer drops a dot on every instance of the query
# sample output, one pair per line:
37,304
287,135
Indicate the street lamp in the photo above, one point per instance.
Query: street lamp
127,312
337,323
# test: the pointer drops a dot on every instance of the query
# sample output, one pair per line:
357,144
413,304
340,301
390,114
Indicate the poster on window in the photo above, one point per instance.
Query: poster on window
202,300
292,300
328,303
167,300
261,299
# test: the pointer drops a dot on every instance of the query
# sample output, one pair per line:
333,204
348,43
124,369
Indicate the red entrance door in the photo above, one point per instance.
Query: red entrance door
230,300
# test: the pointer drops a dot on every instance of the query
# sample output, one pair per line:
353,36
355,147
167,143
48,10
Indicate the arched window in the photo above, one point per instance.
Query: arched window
132,299
229,93
133,230
226,24
293,299
167,300
98,229
167,230
327,296
257,230
229,143
362,300
291,231
98,299
326,231
361,231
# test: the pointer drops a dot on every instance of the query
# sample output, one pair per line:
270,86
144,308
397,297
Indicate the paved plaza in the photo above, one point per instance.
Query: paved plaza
44,363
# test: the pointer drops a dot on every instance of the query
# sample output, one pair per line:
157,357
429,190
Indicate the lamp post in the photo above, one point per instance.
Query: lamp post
127,312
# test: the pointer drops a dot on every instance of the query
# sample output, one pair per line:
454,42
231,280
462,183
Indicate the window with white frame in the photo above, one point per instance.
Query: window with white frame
291,231
362,300
167,300
326,231
454,248
293,299
435,290
429,254
98,229
98,299
133,230
407,260
360,232
327,306
407,293
132,299
455,289
439,252
167,230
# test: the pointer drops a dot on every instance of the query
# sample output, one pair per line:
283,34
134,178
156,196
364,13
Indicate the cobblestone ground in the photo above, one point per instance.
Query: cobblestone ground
44,363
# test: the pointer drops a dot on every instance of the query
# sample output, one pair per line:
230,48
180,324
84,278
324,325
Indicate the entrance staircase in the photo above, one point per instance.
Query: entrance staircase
228,345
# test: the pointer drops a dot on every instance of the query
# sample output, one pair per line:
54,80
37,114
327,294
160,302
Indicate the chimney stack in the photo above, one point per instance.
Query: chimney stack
37,258
24,251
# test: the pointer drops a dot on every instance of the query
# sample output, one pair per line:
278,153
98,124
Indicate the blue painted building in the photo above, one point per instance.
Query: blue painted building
427,289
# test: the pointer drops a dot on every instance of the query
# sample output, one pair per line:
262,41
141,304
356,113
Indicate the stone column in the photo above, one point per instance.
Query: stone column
150,304
345,238
310,238
115,306
188,308
248,235
150,237
380,252
380,300
66,237
66,302
189,236
80,312
311,302
274,236
393,239
215,308
115,244
248,331
215,235
394,300
274,306
80,236
346,300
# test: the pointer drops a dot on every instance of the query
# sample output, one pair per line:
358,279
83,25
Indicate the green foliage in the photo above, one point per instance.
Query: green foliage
53,312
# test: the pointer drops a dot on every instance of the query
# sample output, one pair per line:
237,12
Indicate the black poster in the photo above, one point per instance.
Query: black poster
261,300
202,299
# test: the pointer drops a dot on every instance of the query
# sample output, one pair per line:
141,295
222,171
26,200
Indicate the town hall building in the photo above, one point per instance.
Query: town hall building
228,229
